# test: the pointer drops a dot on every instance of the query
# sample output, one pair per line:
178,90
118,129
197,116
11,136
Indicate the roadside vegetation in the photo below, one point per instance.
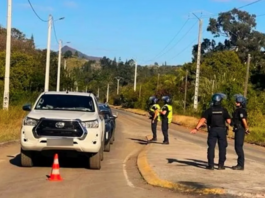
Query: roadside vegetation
223,69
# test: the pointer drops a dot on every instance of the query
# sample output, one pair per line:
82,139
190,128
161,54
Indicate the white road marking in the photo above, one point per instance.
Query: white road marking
129,183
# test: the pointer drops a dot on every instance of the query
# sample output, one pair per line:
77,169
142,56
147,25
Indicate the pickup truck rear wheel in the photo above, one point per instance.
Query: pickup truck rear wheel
102,151
107,147
26,158
112,137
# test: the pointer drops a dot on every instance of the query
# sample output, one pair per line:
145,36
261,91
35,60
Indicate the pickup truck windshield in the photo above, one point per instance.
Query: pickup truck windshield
65,102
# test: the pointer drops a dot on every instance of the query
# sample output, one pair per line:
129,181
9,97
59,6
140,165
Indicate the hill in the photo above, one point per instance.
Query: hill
80,54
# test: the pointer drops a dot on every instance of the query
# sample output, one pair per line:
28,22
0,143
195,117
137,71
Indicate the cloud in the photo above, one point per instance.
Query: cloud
36,7
70,4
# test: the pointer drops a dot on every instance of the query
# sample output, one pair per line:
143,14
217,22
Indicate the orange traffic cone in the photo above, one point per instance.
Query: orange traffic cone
55,174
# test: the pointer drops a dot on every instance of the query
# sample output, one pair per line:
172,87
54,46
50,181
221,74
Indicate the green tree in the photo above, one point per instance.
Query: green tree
68,54
239,28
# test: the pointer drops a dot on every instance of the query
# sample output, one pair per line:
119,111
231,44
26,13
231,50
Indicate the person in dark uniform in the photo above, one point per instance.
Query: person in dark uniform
216,118
154,114
166,115
240,128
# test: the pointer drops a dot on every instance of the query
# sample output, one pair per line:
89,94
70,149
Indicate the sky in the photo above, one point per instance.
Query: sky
129,29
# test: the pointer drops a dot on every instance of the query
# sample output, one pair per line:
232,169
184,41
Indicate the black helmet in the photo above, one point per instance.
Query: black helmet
239,98
217,98
166,99
153,99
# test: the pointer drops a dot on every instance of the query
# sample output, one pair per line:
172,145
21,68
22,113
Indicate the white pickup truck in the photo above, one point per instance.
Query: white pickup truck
65,123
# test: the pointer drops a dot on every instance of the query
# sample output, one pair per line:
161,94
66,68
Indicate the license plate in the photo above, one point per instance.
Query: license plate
60,142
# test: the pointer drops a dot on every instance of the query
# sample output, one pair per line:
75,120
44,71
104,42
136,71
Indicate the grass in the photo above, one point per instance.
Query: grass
257,135
10,123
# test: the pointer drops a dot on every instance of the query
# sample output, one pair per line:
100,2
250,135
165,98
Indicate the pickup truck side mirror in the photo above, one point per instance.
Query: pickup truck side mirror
27,107
115,115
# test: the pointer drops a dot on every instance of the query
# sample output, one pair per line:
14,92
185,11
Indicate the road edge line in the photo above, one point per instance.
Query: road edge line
151,178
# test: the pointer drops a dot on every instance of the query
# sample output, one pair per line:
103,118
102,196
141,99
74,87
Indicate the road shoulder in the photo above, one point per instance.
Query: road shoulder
152,178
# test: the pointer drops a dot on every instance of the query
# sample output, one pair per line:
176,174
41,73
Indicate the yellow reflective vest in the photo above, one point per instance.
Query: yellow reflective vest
152,111
169,114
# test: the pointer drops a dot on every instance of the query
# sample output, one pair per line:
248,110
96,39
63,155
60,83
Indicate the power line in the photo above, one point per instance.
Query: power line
54,30
191,43
36,12
179,40
243,6
184,49
171,40
249,4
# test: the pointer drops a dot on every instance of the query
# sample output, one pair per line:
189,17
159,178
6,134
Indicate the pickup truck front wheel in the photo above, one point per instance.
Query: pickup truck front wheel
95,159
26,158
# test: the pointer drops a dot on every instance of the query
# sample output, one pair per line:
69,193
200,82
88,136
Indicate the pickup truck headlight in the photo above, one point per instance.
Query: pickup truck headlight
91,124
30,121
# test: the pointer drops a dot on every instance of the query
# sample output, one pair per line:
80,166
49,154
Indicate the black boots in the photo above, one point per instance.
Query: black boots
165,142
153,139
237,167
210,167
220,167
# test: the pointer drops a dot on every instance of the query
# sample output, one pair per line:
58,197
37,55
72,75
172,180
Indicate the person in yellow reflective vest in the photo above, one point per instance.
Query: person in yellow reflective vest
154,114
166,115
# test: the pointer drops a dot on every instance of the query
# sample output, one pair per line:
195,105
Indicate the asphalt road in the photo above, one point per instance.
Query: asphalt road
252,152
119,176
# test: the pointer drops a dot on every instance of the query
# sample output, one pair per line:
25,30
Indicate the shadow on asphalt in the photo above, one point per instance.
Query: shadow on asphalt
144,142
48,162
191,162
139,141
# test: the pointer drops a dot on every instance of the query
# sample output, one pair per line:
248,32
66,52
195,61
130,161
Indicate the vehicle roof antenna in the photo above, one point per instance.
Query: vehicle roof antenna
67,91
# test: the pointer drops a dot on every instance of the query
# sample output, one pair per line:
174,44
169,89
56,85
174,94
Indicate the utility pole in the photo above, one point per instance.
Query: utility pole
98,93
213,86
135,76
107,93
247,74
118,83
140,90
198,65
47,74
76,86
185,96
8,54
59,66
158,75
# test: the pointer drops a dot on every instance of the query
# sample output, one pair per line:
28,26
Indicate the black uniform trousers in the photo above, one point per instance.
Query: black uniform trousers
165,128
239,142
154,127
217,134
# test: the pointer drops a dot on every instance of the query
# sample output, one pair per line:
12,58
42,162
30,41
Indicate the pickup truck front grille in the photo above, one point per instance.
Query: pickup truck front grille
62,128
